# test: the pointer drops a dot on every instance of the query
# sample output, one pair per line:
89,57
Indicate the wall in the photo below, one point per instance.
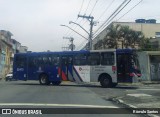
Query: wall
143,61
149,65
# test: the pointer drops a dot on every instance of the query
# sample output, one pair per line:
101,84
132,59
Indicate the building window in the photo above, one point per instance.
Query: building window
157,34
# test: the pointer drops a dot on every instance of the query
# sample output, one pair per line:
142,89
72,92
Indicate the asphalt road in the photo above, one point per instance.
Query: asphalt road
29,94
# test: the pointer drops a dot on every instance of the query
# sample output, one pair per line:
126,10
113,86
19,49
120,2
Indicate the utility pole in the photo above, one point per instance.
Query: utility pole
90,19
71,46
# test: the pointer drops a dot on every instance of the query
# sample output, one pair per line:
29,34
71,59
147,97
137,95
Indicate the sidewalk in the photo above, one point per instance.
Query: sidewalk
147,95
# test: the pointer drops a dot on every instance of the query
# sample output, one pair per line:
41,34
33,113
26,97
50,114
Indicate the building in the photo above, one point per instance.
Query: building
5,53
155,43
8,47
15,45
149,28
23,49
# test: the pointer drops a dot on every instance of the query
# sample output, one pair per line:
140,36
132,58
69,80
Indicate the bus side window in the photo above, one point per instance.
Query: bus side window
93,59
107,58
32,62
70,60
63,60
45,60
80,59
40,61
20,61
55,60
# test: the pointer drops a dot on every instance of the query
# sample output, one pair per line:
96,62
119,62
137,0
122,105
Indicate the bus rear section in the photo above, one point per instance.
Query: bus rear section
127,65
37,66
20,67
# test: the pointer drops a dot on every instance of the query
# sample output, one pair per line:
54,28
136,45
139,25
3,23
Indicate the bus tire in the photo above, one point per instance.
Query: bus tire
56,82
105,81
43,79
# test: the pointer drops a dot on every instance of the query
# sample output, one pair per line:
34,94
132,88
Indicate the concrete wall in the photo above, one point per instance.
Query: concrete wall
150,68
144,65
149,29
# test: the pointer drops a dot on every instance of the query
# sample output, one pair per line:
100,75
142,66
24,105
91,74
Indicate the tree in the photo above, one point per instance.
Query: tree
123,34
145,44
118,33
113,34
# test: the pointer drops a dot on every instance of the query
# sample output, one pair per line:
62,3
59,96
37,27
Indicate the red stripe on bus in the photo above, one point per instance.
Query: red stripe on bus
62,74
64,77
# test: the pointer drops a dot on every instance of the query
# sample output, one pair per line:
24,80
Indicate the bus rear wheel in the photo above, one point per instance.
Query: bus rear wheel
105,81
56,82
43,80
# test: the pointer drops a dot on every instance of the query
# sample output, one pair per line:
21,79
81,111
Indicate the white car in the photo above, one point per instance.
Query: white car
9,76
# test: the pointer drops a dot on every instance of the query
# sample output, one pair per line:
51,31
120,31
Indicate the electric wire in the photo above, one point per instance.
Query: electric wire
105,10
93,7
87,6
111,15
81,7
114,16
130,9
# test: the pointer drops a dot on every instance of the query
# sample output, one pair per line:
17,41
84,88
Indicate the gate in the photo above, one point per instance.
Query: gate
155,67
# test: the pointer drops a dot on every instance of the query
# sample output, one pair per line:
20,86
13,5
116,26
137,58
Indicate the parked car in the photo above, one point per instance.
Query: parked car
9,76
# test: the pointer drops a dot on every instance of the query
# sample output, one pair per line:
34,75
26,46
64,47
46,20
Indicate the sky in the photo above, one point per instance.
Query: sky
36,23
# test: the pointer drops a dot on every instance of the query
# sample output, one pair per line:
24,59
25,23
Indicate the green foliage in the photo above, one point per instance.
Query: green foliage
123,34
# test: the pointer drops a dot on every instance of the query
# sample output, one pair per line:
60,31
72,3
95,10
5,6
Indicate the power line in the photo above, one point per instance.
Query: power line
86,11
81,7
81,45
130,9
75,20
106,10
112,16
94,6
87,7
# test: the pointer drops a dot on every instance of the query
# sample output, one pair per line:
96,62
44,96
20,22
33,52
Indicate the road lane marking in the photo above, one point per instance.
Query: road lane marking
59,105
138,95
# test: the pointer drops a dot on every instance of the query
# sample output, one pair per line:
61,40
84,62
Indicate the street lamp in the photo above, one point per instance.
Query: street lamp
79,26
74,31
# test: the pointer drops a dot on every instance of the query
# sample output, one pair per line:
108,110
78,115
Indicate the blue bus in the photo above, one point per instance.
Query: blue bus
109,67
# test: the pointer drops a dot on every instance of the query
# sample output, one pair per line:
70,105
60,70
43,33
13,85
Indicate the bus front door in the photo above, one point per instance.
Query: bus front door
123,68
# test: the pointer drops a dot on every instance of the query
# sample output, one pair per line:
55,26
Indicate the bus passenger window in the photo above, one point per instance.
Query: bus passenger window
32,62
20,61
107,58
64,60
70,60
55,60
94,59
80,59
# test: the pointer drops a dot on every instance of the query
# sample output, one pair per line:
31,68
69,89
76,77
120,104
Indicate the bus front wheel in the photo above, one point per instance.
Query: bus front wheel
43,80
105,81
56,82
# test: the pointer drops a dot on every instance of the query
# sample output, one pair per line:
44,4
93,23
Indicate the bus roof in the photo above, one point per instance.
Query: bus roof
125,50
59,53
81,51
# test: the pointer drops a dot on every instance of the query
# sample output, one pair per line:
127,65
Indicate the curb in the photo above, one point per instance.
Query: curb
119,101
